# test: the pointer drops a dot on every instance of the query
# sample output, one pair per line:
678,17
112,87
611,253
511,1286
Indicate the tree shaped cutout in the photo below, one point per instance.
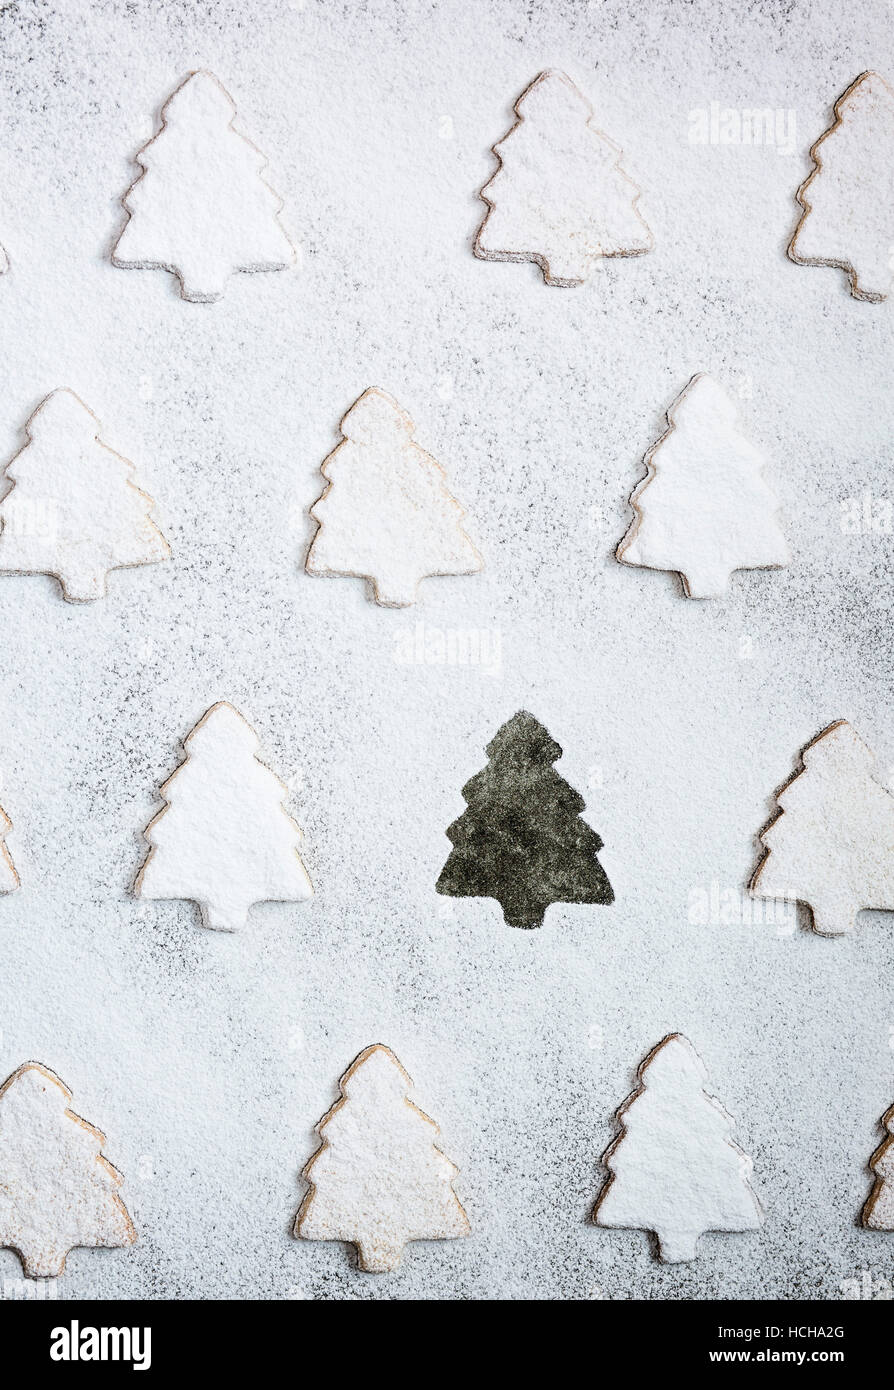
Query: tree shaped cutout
523,840
674,1168
878,1213
57,1191
74,511
224,839
832,843
560,197
848,198
202,209
378,1180
703,508
386,514
9,879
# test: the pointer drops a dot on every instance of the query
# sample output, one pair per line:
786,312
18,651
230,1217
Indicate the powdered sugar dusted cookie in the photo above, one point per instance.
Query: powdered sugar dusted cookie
848,199
560,197
386,514
224,839
203,208
878,1213
75,511
57,1190
4,261
832,843
378,1180
703,508
9,879
674,1168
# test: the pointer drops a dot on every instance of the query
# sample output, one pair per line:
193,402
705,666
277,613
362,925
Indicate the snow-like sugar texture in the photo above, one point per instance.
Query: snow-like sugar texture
387,514
75,511
202,209
57,1191
849,197
878,1214
379,1181
704,508
9,879
833,845
560,196
675,1169
225,840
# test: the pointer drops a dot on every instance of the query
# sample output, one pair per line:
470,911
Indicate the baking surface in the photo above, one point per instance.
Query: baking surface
207,1058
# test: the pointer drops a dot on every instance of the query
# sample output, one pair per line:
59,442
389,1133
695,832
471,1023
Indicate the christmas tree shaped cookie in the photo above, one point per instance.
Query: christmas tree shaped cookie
378,1179
848,199
57,1191
703,508
560,197
674,1168
203,208
75,511
224,839
522,839
878,1213
832,844
386,514
9,879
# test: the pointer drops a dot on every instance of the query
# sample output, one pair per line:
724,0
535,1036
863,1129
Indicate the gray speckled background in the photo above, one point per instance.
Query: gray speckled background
207,1058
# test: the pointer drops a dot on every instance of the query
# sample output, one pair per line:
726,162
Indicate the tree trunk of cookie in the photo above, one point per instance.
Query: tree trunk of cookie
84,587
223,918
45,1264
675,1247
707,583
571,268
395,593
381,1256
831,921
203,284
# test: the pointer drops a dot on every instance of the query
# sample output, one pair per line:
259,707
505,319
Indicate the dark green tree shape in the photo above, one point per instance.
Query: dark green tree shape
522,840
